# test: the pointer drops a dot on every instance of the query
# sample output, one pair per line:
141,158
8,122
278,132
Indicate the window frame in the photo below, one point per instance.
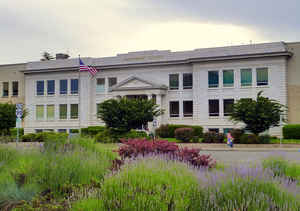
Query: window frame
228,85
227,114
262,83
47,107
48,86
74,117
246,84
43,112
110,81
183,81
183,106
62,92
5,93
213,85
174,87
40,93
74,92
216,130
170,109
60,111
97,86
209,108
13,90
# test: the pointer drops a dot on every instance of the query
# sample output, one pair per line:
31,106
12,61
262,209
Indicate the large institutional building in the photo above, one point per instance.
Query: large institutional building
195,87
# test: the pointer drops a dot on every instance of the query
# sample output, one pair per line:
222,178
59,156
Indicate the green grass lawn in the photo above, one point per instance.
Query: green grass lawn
285,141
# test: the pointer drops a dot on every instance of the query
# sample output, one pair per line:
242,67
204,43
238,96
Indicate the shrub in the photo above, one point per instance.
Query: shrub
213,137
43,136
193,157
13,132
29,137
104,137
291,131
168,130
135,134
74,131
249,139
264,139
92,130
184,134
6,139
236,134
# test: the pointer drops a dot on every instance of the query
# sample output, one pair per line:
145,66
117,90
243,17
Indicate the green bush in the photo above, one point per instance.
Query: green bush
29,137
213,137
6,139
248,139
92,130
111,136
291,131
168,130
104,137
237,134
43,136
74,131
13,132
184,134
264,139
134,134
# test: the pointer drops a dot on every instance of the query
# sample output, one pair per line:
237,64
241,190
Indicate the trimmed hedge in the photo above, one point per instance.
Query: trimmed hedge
92,130
109,136
168,131
42,137
291,131
184,134
213,137
13,132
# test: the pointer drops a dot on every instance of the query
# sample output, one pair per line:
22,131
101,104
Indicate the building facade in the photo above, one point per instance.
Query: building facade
195,87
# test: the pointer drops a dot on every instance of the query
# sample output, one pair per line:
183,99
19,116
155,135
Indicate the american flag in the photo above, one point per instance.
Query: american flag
83,67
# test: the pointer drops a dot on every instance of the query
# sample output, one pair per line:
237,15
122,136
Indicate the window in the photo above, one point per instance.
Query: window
40,88
63,87
50,112
15,86
216,130
100,87
62,130
48,130
262,76
174,81
227,130
74,111
174,109
246,77
187,81
213,79
63,109
228,106
112,82
213,107
187,108
228,78
38,130
98,108
74,86
39,112
50,87
5,89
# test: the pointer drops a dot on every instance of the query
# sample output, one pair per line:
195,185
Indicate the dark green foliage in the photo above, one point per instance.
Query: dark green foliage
249,139
42,137
92,130
74,131
258,115
111,136
264,139
29,137
237,134
184,134
13,132
7,117
213,137
168,130
126,114
291,131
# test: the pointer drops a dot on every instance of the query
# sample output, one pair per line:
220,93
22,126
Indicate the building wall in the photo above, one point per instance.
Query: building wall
293,83
10,73
200,94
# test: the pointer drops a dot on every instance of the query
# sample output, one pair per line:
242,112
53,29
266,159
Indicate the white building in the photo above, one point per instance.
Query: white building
194,87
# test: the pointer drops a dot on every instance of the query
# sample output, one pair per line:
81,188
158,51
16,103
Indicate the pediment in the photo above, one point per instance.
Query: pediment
136,83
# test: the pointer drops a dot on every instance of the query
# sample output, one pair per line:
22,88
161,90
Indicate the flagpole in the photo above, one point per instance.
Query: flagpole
79,89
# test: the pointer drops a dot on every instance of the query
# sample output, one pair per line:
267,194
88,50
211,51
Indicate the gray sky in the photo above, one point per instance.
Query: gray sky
98,28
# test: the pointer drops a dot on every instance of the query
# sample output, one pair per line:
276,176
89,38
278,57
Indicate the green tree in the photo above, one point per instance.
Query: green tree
258,115
8,117
126,114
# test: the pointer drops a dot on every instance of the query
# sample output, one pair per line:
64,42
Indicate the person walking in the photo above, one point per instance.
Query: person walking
229,139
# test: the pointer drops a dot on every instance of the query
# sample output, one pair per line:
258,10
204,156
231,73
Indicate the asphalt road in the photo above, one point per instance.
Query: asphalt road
250,156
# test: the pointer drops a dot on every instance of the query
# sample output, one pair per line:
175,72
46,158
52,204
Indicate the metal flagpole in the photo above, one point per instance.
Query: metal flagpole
79,90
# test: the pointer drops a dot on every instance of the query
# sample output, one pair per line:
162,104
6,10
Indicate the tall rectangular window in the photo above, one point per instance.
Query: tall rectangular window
98,108
174,109
74,86
187,108
50,112
228,106
63,86
246,77
262,76
40,88
213,79
228,78
213,107
215,130
39,112
15,86
5,89
50,87
62,130
63,111
187,80
174,81
74,111
112,82
100,87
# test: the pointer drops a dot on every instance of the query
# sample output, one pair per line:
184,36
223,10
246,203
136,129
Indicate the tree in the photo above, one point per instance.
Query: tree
258,115
46,56
126,114
8,117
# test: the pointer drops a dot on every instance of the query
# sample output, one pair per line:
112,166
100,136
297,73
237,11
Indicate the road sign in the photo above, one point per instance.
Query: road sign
19,110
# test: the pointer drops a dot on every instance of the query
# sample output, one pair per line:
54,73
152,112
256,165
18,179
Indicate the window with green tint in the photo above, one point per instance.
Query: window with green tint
50,112
228,78
100,86
213,79
39,112
246,77
187,80
174,81
74,111
228,106
63,110
262,76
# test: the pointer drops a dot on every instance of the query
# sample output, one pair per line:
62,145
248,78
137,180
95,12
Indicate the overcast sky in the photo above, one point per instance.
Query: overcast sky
98,28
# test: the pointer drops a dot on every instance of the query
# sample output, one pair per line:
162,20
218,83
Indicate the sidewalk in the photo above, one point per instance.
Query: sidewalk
246,147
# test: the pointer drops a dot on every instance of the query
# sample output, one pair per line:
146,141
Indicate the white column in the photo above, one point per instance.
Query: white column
84,99
158,102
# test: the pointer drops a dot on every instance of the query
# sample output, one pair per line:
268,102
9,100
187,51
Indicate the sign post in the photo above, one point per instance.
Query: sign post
19,114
